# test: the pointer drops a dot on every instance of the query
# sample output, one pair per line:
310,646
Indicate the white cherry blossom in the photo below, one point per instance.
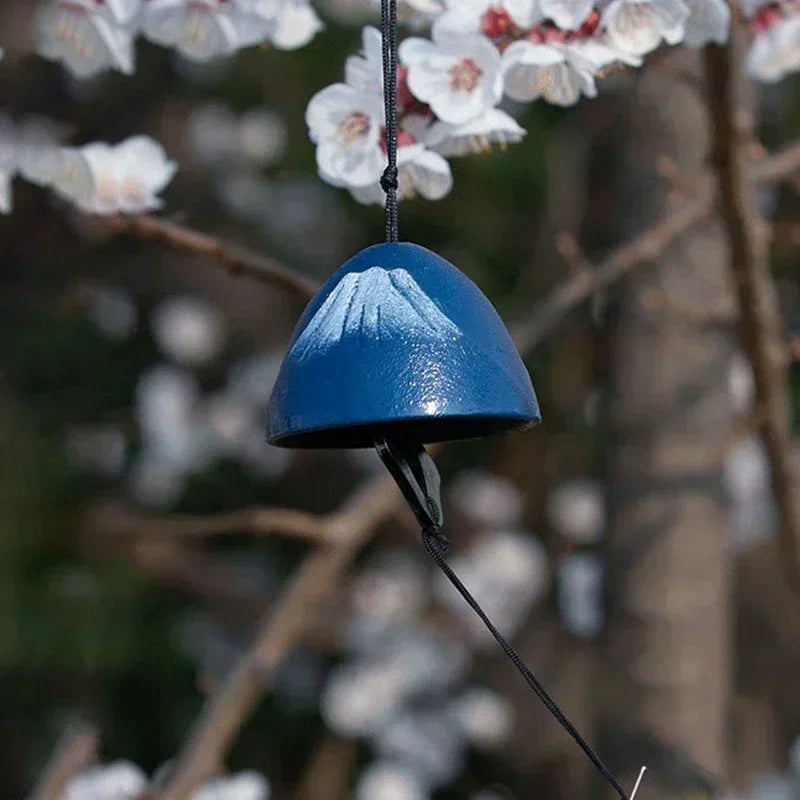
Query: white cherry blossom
38,150
492,18
459,77
432,7
88,36
72,178
365,72
346,126
294,24
118,781
125,178
421,172
550,71
388,780
249,785
203,30
567,14
638,26
708,21
493,126
775,52
418,13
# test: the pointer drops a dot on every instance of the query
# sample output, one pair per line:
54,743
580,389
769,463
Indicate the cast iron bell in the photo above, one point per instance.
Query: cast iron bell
400,345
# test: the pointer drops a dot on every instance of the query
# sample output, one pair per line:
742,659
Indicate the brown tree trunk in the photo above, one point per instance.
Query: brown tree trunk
669,643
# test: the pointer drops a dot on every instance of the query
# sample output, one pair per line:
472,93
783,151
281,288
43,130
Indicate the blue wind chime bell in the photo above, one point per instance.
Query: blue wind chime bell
400,349
399,344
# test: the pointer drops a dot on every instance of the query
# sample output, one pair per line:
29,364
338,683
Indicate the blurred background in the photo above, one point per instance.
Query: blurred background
628,545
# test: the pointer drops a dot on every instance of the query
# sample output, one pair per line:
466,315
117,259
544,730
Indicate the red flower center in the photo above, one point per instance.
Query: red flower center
765,18
496,22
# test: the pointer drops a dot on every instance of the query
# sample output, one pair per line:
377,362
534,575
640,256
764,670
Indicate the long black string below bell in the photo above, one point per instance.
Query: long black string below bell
416,475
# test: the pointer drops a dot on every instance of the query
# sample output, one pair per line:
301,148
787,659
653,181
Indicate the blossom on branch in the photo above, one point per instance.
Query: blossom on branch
708,21
204,30
88,36
493,127
549,71
124,178
459,77
294,24
346,125
346,122
638,26
775,51
365,72
492,18
567,14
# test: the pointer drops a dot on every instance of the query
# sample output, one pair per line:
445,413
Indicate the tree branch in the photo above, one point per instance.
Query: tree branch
230,257
759,315
646,247
317,578
328,770
75,750
121,520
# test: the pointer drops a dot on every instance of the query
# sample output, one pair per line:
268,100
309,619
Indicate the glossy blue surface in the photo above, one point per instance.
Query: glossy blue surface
398,342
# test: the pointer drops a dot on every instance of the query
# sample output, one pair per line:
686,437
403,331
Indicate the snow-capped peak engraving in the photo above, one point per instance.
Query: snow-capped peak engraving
373,304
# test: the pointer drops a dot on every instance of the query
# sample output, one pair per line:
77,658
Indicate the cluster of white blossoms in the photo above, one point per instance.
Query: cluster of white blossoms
481,51
123,780
91,36
97,178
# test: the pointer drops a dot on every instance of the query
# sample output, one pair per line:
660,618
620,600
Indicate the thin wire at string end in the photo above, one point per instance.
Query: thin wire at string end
638,783
389,177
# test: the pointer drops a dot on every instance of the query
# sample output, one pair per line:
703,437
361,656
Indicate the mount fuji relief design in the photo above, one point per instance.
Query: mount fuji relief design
372,305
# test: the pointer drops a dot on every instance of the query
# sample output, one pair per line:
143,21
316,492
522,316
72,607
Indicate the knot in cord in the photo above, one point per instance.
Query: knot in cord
389,180
434,537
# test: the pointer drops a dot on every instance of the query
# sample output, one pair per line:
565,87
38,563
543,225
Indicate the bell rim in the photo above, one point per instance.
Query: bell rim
419,429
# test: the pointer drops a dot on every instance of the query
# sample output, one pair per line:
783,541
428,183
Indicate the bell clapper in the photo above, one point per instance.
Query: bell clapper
418,478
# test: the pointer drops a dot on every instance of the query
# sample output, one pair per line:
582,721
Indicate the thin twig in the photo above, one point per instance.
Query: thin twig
232,258
646,247
174,564
122,520
316,579
575,290
759,315
75,750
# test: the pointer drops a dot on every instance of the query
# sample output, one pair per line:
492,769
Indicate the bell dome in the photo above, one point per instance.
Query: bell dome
398,342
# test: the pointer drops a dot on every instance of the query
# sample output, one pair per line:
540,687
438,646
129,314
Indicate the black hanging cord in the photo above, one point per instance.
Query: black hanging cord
389,177
436,544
